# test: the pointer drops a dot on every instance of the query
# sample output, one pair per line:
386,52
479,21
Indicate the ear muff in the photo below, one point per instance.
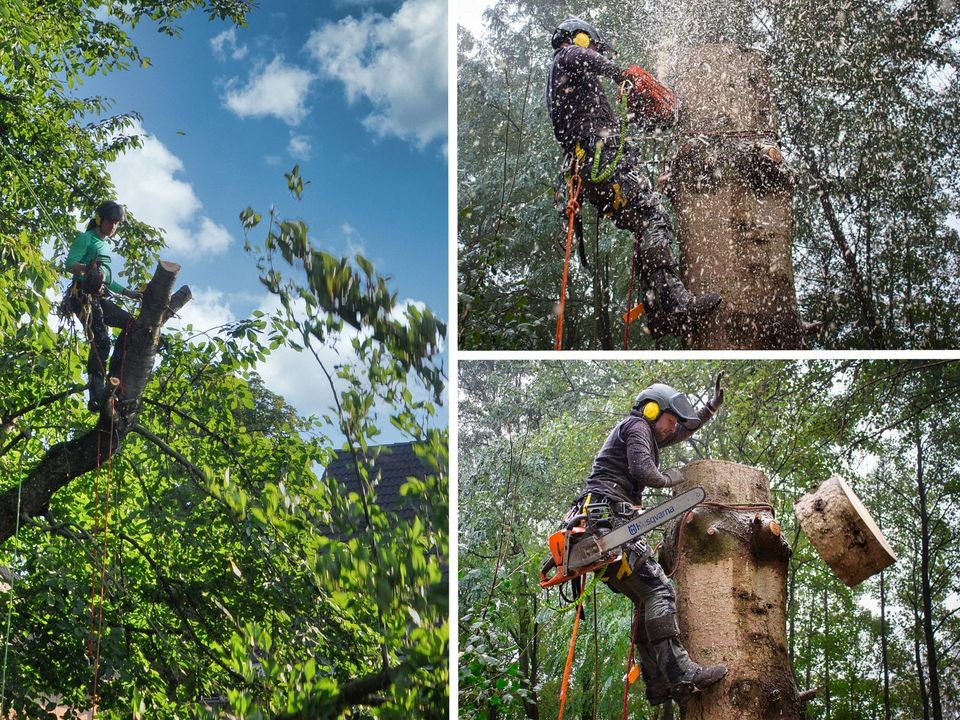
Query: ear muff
581,39
651,411
97,219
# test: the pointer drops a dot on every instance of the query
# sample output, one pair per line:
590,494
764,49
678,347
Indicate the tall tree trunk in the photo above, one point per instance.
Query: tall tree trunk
70,459
732,193
917,655
927,595
883,647
884,656
825,602
731,594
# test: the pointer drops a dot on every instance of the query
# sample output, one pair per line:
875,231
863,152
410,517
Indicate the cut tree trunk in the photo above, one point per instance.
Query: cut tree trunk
732,192
129,375
843,533
732,594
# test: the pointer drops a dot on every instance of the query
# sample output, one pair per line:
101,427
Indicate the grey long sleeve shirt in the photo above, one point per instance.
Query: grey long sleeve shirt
630,458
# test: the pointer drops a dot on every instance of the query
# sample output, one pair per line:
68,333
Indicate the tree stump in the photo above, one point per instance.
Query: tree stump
732,594
732,192
843,533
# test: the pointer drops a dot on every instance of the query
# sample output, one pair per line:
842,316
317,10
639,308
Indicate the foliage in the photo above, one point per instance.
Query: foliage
237,579
866,96
527,435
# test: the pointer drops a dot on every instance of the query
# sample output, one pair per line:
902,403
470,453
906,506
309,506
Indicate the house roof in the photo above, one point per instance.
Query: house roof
391,469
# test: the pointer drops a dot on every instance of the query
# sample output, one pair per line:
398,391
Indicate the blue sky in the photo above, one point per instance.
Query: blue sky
352,91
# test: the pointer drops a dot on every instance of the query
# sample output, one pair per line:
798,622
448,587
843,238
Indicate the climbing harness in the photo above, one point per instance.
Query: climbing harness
572,209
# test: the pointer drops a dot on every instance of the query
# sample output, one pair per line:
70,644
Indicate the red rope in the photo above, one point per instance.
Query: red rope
633,643
683,525
573,207
104,537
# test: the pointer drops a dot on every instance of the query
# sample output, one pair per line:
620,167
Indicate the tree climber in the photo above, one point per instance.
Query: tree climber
582,119
89,294
626,464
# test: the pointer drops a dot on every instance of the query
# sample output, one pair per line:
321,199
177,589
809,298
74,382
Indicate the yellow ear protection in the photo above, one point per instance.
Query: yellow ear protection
581,39
651,411
97,219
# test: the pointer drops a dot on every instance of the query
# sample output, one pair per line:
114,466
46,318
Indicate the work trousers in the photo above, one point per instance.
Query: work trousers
627,196
663,659
97,313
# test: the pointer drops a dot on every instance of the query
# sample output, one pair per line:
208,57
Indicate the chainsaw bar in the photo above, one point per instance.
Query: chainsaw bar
592,549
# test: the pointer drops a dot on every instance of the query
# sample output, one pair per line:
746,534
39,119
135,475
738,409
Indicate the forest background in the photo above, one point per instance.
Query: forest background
867,117
528,432
207,567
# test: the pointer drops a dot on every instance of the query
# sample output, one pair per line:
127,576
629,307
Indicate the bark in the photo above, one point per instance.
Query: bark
826,653
841,530
129,376
927,595
732,192
732,594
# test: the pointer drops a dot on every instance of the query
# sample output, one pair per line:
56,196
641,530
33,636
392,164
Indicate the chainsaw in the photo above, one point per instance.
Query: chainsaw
574,551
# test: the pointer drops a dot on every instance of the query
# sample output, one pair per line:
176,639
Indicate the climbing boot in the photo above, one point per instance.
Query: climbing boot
96,388
703,678
657,694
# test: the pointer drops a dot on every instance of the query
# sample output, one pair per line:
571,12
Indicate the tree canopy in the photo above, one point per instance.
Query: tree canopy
207,567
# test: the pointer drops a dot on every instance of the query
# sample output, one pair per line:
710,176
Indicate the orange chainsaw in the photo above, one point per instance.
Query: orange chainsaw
648,100
574,551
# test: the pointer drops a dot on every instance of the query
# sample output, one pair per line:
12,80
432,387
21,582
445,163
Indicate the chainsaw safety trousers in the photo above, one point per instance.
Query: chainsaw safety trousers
97,314
627,196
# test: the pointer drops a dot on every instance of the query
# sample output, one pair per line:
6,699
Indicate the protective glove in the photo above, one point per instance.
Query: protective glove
674,475
717,400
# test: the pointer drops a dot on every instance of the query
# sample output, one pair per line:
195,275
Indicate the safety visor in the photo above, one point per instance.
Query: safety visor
681,407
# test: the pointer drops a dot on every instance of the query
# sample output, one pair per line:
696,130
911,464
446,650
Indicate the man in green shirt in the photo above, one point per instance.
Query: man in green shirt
88,297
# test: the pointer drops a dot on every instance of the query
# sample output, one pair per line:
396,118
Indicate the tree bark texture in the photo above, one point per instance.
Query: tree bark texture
732,192
731,585
72,458
841,530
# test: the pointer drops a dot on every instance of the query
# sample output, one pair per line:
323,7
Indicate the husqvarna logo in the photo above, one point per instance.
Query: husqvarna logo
641,524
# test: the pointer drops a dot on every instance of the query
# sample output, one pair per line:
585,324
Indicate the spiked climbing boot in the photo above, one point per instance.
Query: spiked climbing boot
96,388
703,678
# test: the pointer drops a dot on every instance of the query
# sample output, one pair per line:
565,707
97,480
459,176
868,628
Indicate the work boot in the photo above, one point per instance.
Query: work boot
703,678
97,388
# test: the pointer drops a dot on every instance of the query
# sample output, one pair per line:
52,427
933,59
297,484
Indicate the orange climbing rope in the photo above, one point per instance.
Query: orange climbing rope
572,208
566,668
632,312
102,511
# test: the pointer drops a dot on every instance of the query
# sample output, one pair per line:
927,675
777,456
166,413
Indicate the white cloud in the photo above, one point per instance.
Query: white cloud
146,183
208,309
226,42
275,89
300,147
398,63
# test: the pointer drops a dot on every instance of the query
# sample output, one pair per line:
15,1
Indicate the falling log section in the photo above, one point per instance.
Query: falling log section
732,192
732,594
842,532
